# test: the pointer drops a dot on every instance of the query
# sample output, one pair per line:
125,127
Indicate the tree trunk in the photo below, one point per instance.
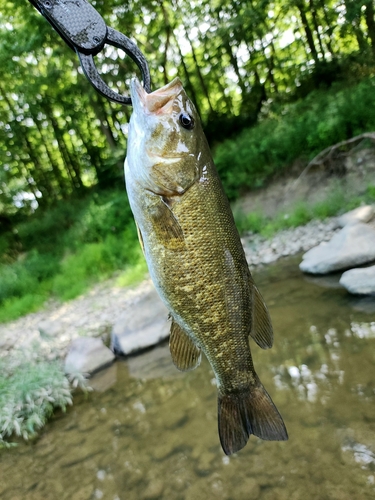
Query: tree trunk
370,21
43,183
167,28
330,28
308,32
200,76
189,85
355,22
316,27
55,168
62,148
103,121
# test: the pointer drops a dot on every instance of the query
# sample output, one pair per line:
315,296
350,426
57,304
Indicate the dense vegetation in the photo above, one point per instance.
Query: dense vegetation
299,130
237,59
65,249
273,81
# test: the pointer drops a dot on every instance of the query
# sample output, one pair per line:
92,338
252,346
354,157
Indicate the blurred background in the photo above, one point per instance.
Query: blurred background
274,82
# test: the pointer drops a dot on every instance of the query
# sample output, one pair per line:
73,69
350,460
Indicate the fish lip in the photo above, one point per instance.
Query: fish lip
137,91
158,102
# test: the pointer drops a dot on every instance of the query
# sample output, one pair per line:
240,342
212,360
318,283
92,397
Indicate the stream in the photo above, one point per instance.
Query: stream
150,432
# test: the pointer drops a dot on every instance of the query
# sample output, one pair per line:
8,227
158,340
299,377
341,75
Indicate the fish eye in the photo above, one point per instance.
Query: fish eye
186,121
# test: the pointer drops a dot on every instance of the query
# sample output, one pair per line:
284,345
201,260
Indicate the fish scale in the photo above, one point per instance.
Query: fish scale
196,260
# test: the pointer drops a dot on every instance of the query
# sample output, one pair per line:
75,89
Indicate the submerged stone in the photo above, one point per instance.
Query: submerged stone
359,281
354,245
87,355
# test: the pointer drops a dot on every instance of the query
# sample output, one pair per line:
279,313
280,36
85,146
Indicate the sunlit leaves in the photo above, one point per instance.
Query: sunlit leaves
57,136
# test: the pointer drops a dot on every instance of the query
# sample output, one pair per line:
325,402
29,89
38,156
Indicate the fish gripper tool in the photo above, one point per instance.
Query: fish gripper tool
85,31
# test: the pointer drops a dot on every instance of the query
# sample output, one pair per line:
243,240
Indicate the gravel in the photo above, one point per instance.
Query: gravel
260,250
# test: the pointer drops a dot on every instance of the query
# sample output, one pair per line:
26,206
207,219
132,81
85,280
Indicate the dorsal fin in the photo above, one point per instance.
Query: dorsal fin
185,354
245,306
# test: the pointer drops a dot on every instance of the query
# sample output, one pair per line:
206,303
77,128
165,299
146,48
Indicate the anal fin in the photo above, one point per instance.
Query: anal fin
185,354
261,328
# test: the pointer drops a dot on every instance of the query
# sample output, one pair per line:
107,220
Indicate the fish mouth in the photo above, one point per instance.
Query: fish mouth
158,102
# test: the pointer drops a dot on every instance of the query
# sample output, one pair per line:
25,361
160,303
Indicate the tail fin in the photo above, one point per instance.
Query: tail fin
243,413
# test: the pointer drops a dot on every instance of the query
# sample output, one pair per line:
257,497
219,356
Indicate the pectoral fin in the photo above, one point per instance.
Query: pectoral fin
185,355
166,227
261,328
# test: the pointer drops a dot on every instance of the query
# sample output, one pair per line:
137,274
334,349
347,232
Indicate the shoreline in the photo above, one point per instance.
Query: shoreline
49,332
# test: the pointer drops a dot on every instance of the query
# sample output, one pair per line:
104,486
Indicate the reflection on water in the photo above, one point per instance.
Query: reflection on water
151,433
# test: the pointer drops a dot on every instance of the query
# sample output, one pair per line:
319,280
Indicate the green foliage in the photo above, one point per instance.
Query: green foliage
254,221
14,307
337,202
29,393
133,274
300,130
371,192
58,137
66,249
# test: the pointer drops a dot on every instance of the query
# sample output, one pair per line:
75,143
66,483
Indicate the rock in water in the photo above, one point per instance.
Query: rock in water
87,355
145,327
360,214
352,246
359,281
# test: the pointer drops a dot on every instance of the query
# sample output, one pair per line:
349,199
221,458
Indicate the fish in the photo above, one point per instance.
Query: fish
196,260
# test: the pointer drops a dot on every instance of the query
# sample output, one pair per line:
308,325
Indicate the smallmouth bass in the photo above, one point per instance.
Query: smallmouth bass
196,259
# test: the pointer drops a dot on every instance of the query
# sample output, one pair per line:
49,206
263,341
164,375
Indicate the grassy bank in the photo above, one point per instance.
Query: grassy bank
338,202
295,131
65,250
31,390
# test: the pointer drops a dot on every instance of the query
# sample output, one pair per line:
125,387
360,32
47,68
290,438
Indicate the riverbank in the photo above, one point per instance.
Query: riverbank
33,347
49,332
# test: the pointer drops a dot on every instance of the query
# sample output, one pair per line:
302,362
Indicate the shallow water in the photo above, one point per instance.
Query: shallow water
153,432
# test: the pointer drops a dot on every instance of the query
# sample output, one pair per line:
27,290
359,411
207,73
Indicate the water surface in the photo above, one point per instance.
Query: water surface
153,433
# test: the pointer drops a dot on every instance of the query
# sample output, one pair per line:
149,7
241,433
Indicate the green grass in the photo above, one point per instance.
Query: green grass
338,202
61,253
294,131
29,393
15,307
133,274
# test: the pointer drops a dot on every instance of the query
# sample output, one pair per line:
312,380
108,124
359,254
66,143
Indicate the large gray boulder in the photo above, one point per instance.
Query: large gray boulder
87,355
354,245
359,281
360,214
145,325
